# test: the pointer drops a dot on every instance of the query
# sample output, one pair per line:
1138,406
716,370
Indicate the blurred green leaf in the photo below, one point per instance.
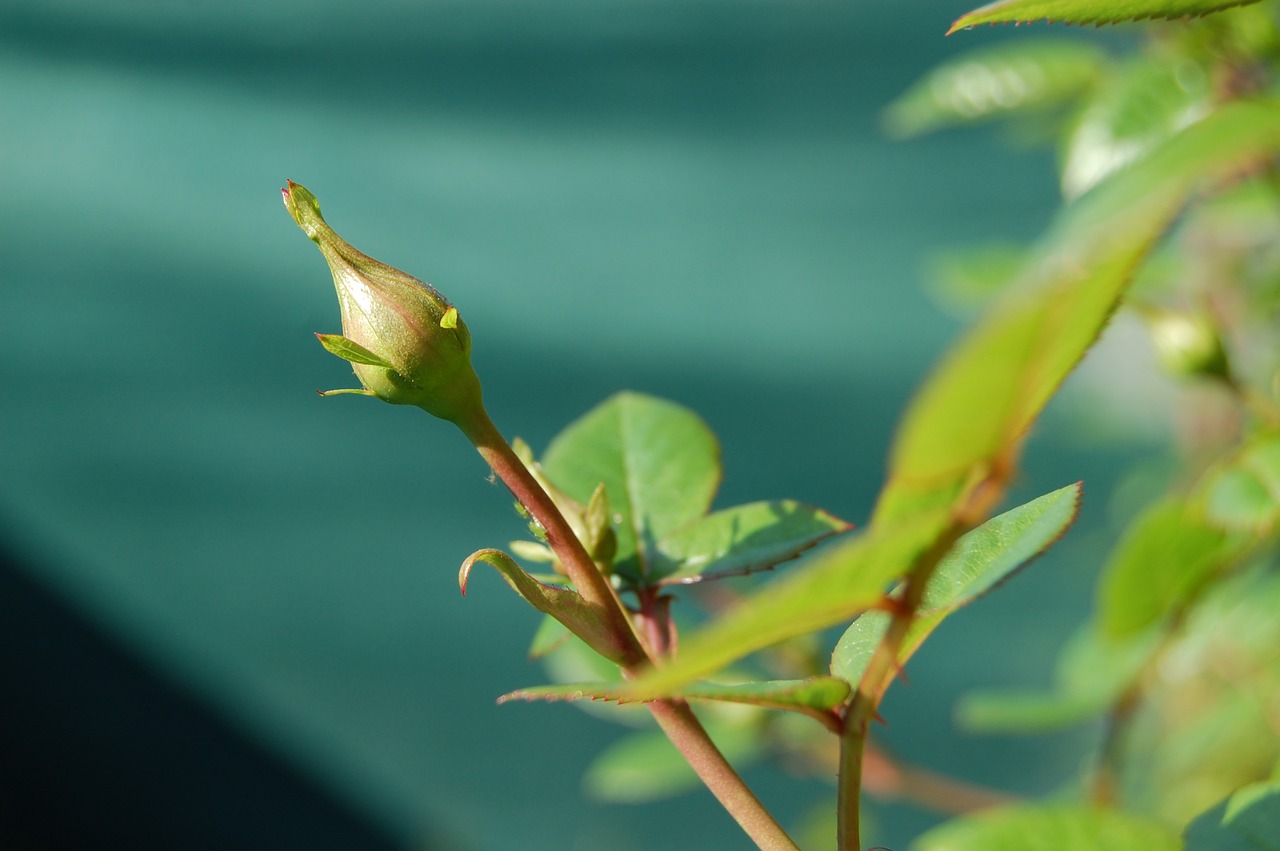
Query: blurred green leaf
741,539
964,426
980,560
1142,105
1167,554
963,429
993,82
646,766
965,279
659,462
1042,828
1093,671
1017,711
1245,495
1248,820
1089,11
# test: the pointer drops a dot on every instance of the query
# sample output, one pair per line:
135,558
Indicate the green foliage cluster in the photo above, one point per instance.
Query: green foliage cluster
1168,168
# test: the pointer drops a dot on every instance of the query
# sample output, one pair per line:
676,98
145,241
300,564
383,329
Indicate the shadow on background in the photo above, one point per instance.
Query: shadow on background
97,750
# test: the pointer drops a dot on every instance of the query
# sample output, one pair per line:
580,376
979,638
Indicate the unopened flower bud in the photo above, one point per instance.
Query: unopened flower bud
406,343
1187,343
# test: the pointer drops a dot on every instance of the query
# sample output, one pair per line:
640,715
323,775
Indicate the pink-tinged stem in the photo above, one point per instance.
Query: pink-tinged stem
675,717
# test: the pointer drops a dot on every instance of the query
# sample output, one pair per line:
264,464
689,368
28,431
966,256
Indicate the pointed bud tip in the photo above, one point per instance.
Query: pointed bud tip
303,207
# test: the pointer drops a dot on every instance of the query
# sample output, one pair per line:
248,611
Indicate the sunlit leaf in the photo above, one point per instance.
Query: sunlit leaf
1142,105
981,559
965,424
995,81
741,539
659,462
1089,11
1045,828
960,436
1248,820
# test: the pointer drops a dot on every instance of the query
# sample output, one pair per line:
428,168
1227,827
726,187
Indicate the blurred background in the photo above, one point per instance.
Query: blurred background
230,608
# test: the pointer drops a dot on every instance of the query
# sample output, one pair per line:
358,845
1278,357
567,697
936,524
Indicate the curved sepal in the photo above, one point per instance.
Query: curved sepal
350,351
564,604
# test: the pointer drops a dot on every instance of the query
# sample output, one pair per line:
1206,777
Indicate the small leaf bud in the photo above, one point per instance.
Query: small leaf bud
1187,343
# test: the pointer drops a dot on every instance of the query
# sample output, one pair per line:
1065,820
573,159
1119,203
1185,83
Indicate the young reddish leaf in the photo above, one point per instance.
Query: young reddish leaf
979,561
564,604
1094,12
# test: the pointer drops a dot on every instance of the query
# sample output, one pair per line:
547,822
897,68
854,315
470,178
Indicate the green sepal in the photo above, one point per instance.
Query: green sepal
353,391
351,351
580,617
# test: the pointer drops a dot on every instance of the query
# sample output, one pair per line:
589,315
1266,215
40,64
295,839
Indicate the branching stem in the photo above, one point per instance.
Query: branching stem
675,717
884,664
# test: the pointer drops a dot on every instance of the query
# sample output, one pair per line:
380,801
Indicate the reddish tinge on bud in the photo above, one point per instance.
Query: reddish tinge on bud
406,343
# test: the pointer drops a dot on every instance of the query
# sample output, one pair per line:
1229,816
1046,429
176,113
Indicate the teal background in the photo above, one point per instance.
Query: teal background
691,199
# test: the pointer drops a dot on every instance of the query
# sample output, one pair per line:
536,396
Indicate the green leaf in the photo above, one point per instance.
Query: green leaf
980,560
1245,495
351,351
1011,711
742,539
961,433
659,463
965,424
1041,828
1089,11
965,279
579,616
1142,105
841,582
1165,557
815,696
646,766
993,82
1093,671
1248,820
